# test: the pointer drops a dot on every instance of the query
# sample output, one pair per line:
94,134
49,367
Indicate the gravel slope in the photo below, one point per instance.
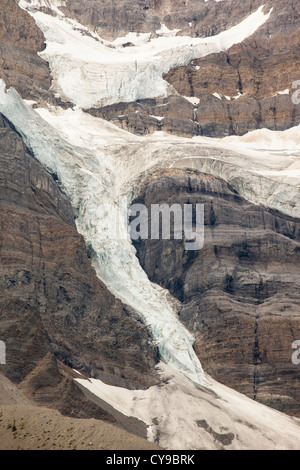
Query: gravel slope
24,426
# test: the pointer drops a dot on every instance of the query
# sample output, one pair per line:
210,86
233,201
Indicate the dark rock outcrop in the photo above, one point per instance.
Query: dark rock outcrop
173,114
240,292
51,300
20,42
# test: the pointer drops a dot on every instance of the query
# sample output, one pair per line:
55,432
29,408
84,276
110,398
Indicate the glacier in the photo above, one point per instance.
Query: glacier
89,181
101,167
92,72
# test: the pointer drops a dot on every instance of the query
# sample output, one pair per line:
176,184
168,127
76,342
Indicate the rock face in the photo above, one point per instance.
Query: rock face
173,114
20,41
55,314
240,292
193,17
248,87
249,78
239,295
53,308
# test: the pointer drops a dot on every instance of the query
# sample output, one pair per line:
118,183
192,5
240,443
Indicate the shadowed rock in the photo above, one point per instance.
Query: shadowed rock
240,292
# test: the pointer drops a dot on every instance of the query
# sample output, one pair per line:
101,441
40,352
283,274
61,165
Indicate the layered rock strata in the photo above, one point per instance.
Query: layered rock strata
192,18
20,42
54,311
239,294
250,86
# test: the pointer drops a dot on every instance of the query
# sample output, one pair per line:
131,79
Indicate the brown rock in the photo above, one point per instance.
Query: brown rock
257,69
20,41
51,300
197,19
240,292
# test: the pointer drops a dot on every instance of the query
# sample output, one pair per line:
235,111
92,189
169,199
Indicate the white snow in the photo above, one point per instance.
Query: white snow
193,99
284,92
217,95
91,72
183,416
115,164
135,38
36,4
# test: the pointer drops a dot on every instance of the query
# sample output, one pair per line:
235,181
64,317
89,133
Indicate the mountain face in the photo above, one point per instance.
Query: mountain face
102,101
192,18
51,299
239,291
246,87
49,287
20,42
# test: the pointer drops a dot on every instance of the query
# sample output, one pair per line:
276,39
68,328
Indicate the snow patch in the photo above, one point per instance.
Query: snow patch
217,95
183,416
192,99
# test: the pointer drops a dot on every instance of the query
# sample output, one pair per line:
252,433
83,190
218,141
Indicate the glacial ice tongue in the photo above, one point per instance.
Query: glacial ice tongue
89,183
91,72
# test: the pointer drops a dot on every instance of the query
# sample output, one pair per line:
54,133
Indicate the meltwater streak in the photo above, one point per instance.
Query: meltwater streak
90,184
